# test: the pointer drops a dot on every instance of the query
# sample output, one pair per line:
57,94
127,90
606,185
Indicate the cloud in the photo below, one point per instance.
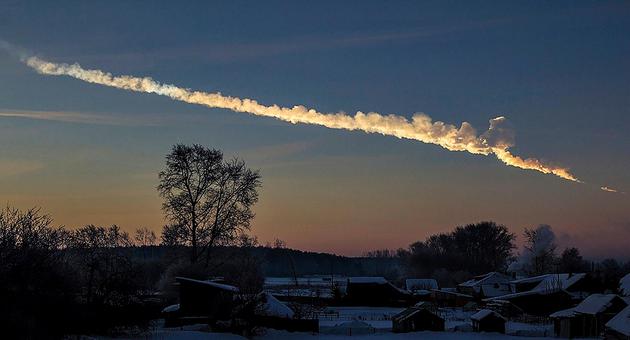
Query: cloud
497,140
78,117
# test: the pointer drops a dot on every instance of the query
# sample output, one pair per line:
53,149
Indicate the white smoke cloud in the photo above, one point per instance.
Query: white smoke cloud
497,140
543,243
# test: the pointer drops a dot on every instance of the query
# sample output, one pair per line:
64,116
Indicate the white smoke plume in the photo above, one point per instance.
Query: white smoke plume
542,246
497,140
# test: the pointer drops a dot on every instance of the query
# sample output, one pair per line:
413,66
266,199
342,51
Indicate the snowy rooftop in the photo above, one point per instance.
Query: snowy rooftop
421,284
209,283
552,281
485,313
621,322
274,307
368,279
595,303
482,278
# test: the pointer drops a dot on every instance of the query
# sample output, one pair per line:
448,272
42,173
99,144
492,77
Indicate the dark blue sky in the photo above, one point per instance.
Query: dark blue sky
558,70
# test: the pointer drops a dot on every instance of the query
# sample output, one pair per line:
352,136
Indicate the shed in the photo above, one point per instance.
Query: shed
418,318
205,298
588,318
487,320
375,291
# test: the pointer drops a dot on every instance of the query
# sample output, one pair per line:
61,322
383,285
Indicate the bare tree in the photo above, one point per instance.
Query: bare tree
207,199
540,248
145,237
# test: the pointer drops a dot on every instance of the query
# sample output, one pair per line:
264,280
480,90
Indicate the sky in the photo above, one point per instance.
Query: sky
559,71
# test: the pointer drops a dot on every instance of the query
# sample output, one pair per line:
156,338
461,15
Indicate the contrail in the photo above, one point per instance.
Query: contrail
497,140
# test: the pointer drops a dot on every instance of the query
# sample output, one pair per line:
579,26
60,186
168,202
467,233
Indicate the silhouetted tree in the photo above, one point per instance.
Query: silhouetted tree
145,237
207,199
35,280
486,246
105,267
571,261
470,249
540,250
610,271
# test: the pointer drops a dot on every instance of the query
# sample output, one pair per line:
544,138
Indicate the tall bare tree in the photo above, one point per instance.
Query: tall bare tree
207,199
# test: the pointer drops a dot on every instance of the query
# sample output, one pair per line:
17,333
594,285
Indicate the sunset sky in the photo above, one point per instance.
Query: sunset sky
558,71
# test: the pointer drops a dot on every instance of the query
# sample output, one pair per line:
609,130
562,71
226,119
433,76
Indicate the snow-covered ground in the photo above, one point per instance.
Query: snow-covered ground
274,334
283,335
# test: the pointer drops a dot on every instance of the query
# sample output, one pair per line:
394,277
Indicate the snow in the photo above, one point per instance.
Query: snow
273,307
550,282
421,284
624,285
210,283
492,277
350,328
171,308
485,313
595,303
528,329
284,335
368,279
621,322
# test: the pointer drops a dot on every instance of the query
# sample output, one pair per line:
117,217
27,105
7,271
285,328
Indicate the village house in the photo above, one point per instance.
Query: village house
201,301
487,320
375,291
486,286
545,294
421,317
589,317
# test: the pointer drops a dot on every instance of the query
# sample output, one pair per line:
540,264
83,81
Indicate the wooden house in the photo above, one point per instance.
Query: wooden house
487,320
587,319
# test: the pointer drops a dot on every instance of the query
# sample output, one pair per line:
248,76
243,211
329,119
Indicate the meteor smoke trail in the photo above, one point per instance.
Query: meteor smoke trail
496,140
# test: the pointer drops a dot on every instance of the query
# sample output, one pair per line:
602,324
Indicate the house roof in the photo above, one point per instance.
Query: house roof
208,283
526,293
595,303
592,305
480,279
621,322
423,284
552,281
274,307
484,313
367,279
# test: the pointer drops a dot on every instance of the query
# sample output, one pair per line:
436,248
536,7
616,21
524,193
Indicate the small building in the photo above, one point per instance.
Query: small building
201,301
486,286
421,317
588,318
375,291
619,326
273,313
487,320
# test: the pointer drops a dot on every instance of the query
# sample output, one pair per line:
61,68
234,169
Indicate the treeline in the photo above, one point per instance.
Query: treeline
475,249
